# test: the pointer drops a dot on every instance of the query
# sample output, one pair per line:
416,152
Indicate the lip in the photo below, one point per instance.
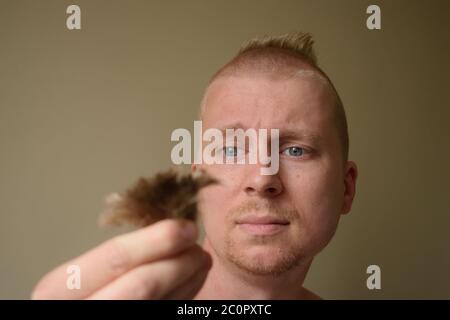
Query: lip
262,220
262,225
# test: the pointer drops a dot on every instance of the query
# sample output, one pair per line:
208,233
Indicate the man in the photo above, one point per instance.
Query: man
261,231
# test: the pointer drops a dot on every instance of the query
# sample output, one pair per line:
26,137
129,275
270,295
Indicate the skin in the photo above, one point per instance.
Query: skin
309,192
131,266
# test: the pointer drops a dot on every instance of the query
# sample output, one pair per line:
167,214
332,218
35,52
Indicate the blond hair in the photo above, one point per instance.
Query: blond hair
299,43
281,56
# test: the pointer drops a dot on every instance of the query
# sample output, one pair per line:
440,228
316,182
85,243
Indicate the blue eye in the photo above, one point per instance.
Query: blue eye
230,151
294,151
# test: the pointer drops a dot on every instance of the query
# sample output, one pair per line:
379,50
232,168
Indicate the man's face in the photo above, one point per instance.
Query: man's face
267,224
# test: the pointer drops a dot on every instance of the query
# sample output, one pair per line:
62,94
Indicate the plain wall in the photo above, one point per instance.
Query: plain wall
84,113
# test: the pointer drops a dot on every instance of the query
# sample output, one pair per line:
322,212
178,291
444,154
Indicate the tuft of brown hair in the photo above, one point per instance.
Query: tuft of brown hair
167,194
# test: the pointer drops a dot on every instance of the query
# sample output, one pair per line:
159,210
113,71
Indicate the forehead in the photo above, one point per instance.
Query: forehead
302,102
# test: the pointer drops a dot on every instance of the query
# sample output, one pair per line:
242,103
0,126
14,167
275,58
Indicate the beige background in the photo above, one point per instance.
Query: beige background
84,113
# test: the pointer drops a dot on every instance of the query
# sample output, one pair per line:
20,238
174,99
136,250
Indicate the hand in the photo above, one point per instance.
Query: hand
161,261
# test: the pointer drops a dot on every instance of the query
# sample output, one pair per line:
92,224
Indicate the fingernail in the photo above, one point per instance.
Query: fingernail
189,230
208,261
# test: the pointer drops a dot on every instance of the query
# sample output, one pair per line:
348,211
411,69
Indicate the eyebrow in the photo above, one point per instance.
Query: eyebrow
300,134
285,134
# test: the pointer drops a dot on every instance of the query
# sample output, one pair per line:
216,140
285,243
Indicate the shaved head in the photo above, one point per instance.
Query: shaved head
282,58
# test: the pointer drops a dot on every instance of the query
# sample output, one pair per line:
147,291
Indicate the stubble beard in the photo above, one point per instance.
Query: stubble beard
283,254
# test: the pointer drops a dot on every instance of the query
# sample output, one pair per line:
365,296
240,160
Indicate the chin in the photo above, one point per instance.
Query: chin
264,259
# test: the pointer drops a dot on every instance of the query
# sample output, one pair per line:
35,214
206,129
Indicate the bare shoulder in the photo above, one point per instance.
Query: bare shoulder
309,295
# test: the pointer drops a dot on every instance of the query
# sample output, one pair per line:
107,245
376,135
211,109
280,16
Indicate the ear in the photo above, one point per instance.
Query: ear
350,176
193,167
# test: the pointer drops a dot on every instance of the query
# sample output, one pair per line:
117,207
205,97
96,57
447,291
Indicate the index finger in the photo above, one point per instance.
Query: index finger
114,257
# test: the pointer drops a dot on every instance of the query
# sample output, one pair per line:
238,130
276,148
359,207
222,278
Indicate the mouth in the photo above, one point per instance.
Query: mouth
262,225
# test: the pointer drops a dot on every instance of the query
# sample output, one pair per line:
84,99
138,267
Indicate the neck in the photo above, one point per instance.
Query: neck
226,281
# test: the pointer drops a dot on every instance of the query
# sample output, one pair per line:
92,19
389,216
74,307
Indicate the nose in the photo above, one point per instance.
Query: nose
267,186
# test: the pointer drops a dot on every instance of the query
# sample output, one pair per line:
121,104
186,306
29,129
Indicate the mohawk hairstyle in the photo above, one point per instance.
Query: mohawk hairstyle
300,43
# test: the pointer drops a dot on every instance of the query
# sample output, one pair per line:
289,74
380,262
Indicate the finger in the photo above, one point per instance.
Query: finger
155,280
189,289
113,258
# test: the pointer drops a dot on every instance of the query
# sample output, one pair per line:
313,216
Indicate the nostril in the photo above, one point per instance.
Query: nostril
249,190
271,190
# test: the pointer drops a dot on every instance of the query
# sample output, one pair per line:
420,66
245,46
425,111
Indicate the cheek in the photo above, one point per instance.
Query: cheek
317,194
215,201
316,183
